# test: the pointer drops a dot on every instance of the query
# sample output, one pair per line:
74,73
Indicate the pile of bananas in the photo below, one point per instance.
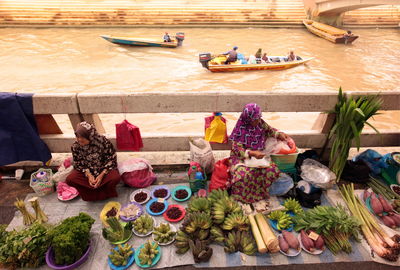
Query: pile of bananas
197,225
283,220
199,204
293,205
217,234
182,242
144,224
217,194
240,241
200,250
163,233
148,253
236,221
222,208
121,256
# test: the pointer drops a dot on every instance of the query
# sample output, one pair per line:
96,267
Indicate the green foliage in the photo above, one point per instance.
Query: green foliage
70,239
351,117
117,232
25,248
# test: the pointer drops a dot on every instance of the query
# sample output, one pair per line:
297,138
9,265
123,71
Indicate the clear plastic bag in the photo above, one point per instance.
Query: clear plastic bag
317,174
281,186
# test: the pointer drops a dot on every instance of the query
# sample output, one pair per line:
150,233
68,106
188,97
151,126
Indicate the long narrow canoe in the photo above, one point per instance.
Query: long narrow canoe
133,41
248,67
328,32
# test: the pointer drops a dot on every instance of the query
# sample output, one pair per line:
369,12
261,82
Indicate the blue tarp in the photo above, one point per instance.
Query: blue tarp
19,138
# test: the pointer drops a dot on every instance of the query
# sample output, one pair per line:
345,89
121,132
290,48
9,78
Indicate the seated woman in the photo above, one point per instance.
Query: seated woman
251,184
95,173
291,56
265,58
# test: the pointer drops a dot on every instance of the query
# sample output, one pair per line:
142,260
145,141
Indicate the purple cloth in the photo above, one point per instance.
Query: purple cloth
244,133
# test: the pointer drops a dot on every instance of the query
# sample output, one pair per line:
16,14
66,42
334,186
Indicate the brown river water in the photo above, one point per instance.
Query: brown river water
77,60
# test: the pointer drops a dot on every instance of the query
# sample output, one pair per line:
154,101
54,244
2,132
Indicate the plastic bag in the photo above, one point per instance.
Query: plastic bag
128,136
63,171
201,152
317,174
220,175
373,159
137,172
281,186
275,146
215,129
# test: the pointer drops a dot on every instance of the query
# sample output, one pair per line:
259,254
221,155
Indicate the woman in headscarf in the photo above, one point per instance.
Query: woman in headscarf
250,184
95,173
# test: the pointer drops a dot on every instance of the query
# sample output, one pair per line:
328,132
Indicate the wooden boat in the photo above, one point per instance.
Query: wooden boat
328,32
207,61
176,41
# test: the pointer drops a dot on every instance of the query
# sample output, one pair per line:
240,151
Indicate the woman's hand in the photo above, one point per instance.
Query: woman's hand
282,136
257,154
98,179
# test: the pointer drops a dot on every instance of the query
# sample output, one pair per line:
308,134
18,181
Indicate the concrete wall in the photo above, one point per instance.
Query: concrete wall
86,107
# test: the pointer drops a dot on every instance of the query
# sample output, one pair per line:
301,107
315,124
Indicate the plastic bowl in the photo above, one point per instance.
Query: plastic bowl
151,212
122,267
154,262
171,241
50,260
124,218
144,235
132,196
179,218
189,191
161,187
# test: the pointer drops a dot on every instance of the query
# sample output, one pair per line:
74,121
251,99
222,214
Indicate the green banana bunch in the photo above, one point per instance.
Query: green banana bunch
236,221
182,242
217,194
120,257
148,253
163,233
195,222
199,204
224,207
240,241
217,234
284,222
143,224
293,205
247,244
276,215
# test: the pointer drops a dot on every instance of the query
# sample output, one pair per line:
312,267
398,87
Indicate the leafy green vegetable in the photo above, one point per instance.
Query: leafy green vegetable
351,116
116,232
70,239
25,248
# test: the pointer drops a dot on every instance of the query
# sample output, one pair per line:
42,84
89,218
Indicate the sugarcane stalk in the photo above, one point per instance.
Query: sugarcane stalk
28,218
39,214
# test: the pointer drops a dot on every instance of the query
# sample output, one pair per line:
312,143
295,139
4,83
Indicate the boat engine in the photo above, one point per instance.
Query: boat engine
204,58
180,36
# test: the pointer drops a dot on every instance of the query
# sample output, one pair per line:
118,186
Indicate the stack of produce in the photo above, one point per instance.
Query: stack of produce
70,239
143,225
215,218
383,209
40,216
265,238
163,233
382,189
148,253
116,232
333,223
28,218
293,206
25,248
380,242
283,220
288,240
309,243
120,256
396,205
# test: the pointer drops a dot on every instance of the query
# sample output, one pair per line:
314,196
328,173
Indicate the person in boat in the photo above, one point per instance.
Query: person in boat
166,37
291,56
265,59
95,173
258,56
251,184
252,60
348,34
232,55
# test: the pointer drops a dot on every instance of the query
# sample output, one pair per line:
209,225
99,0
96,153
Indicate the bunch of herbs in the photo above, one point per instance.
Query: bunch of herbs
351,117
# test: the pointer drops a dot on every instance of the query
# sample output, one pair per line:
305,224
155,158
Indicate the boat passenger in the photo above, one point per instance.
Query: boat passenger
258,56
167,38
291,56
252,60
265,58
251,184
348,34
232,55
95,173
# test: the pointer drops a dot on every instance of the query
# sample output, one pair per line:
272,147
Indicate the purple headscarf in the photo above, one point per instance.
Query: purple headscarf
244,133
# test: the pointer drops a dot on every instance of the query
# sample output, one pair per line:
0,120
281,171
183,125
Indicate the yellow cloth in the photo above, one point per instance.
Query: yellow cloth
216,132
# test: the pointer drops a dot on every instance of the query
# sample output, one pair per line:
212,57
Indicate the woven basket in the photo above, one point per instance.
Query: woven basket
42,186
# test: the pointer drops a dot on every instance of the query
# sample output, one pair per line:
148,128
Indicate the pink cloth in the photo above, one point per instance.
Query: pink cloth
66,192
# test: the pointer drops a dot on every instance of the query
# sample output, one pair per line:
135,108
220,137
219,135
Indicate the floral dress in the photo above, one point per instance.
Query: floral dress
247,184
